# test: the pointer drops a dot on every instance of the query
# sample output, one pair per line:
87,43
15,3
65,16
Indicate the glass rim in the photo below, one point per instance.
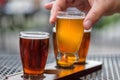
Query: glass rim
71,14
54,29
89,30
34,34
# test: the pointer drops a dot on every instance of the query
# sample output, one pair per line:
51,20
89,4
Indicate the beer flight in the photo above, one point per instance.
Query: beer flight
70,42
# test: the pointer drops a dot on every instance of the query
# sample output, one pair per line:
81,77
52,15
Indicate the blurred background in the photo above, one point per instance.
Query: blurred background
24,15
20,15
30,15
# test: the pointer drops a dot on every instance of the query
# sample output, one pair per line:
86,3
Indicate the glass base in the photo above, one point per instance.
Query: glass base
65,67
33,77
80,63
65,60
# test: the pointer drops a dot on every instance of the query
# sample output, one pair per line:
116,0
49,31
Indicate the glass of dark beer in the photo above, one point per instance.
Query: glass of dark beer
54,43
34,51
84,47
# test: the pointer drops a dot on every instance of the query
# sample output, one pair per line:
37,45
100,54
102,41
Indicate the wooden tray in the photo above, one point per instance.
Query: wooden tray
53,73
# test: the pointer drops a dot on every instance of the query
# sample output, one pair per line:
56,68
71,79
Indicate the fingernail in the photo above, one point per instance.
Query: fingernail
88,24
52,20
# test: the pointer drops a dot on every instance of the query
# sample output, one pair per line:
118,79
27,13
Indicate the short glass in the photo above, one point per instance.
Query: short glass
34,51
69,33
84,47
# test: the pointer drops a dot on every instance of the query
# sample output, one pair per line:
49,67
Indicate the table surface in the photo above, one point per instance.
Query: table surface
53,73
10,64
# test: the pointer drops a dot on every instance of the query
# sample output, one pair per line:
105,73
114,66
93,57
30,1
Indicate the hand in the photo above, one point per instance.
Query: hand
95,9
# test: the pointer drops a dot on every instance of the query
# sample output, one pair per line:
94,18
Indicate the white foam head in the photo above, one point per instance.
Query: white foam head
89,30
54,29
34,35
71,15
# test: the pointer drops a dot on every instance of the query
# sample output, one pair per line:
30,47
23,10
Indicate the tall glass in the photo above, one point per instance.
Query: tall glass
84,47
34,51
54,43
69,33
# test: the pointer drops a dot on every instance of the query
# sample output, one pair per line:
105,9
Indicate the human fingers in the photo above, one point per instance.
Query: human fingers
59,5
49,5
93,15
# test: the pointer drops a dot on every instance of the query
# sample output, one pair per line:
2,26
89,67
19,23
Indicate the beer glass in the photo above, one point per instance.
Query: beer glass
54,43
34,51
84,47
69,33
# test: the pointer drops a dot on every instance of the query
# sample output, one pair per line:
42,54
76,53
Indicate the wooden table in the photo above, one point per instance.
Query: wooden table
53,73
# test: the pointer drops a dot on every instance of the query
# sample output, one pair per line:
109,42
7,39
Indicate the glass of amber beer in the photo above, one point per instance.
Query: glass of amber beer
84,47
34,51
69,33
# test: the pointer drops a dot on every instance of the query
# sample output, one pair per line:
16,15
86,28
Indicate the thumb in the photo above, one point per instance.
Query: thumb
93,15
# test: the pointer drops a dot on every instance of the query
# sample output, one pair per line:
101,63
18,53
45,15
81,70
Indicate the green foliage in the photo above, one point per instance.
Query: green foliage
107,20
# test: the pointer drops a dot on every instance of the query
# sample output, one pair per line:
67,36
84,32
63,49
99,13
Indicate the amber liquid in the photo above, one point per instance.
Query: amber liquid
62,61
69,33
55,45
83,50
34,54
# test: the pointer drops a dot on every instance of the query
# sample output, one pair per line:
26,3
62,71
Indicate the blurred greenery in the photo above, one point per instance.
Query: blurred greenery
40,21
107,20
14,25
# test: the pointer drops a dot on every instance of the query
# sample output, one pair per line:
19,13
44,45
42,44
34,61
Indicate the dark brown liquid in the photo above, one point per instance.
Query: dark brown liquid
55,45
83,50
34,54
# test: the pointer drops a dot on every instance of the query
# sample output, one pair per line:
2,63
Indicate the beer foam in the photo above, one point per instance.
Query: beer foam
54,29
34,35
88,30
71,17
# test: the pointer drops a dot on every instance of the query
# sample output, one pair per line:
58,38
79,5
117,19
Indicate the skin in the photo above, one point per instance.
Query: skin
95,9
